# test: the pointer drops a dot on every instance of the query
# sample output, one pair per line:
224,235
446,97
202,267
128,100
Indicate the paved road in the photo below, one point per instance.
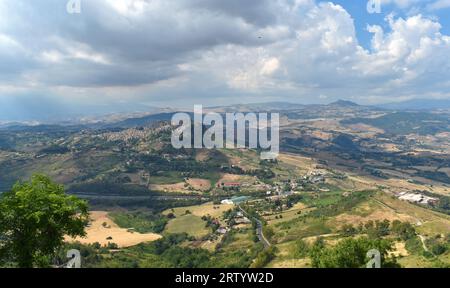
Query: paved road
259,230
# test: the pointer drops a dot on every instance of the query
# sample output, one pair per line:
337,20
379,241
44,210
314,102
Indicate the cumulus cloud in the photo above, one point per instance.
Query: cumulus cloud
414,55
181,50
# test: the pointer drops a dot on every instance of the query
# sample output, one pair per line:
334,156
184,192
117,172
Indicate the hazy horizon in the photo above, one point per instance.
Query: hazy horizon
64,113
127,56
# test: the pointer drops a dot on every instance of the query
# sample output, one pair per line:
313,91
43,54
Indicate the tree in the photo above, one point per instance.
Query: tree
348,230
377,229
319,243
351,253
438,249
264,257
34,218
301,249
403,230
268,232
382,228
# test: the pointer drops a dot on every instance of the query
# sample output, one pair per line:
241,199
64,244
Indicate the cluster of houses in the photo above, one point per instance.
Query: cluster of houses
238,219
314,177
241,219
286,189
125,135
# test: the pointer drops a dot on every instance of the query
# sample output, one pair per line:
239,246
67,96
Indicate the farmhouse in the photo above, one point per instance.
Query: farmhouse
227,202
222,230
417,198
242,220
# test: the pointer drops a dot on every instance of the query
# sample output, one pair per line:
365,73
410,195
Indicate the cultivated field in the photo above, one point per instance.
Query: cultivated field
199,184
102,227
188,219
300,162
201,210
171,188
370,210
189,186
294,212
188,223
242,179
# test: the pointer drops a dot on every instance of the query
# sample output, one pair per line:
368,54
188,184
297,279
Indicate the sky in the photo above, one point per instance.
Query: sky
129,55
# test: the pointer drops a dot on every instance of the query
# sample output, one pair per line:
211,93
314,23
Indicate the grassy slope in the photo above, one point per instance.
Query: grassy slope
191,224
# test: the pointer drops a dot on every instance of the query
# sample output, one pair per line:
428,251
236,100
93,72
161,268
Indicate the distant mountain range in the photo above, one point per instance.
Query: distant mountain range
344,103
255,107
140,121
418,104
127,120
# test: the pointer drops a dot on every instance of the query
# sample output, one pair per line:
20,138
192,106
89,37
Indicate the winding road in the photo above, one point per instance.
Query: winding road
259,229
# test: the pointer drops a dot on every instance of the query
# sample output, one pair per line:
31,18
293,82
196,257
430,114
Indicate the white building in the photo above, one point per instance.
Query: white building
417,198
227,202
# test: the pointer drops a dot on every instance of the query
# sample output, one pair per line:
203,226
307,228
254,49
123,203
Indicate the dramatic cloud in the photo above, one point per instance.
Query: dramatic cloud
213,51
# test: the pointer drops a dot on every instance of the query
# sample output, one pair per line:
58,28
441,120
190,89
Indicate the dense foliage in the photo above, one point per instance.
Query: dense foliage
34,217
350,253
